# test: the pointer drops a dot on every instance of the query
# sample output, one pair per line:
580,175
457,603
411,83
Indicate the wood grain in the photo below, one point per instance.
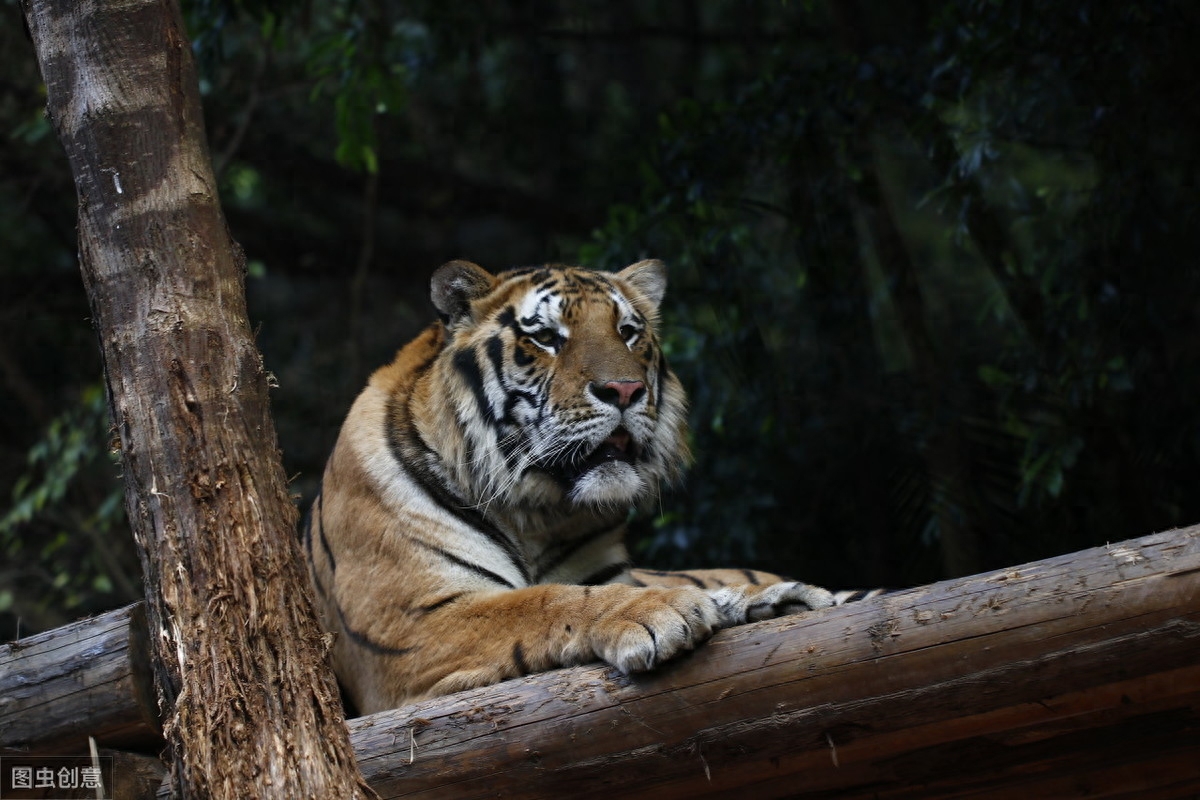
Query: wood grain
89,678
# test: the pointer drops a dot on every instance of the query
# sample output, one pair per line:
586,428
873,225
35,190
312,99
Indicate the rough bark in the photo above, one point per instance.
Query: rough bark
1075,676
249,708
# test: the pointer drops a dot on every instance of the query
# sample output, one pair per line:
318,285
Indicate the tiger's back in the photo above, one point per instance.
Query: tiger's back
470,522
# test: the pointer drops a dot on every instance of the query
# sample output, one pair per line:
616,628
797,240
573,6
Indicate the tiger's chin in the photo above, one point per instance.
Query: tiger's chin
608,476
608,485
613,483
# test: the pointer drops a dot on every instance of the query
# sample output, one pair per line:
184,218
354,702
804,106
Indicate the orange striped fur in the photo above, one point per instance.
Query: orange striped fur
471,517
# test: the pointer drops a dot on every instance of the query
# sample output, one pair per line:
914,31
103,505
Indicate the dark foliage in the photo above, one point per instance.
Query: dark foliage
933,283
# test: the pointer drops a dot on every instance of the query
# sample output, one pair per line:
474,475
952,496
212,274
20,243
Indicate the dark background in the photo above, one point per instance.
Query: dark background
934,279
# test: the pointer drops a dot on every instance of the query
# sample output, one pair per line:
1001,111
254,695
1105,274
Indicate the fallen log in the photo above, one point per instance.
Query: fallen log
89,678
1074,676
1037,679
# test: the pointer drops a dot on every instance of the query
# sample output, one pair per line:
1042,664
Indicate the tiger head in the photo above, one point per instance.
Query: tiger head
560,389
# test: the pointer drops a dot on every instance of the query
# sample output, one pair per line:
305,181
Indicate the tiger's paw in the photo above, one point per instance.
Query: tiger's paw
741,604
655,626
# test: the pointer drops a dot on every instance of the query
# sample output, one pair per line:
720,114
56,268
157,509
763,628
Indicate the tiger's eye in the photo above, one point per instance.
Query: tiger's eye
627,332
547,337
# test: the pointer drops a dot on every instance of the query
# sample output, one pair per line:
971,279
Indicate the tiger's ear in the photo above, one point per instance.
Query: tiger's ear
649,277
455,285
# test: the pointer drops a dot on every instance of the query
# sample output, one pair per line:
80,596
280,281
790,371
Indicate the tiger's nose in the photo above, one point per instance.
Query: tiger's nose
621,394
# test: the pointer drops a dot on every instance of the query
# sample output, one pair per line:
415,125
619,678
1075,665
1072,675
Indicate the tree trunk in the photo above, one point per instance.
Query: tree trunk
249,706
944,447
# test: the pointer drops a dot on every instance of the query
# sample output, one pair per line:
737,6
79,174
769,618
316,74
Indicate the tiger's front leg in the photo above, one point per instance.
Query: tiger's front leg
486,637
746,595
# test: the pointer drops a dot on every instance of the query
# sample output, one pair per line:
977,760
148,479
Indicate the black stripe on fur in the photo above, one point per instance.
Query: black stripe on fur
684,575
318,507
606,574
518,657
403,439
570,548
362,639
466,365
435,605
462,562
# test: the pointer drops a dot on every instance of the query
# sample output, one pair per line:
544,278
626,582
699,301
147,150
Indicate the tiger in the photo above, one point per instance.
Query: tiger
469,527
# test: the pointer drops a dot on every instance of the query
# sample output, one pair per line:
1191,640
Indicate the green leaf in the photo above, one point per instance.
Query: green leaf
994,376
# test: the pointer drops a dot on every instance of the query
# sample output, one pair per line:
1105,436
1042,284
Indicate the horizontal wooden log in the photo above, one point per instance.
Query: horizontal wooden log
89,678
1073,676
